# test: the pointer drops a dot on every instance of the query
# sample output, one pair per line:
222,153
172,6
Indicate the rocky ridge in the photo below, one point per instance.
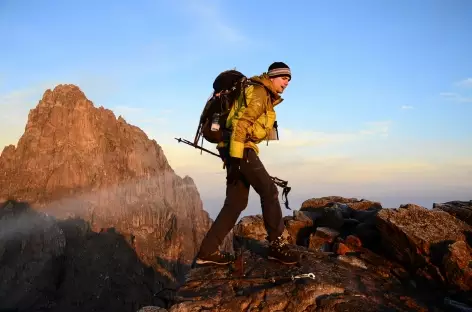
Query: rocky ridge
79,162
364,258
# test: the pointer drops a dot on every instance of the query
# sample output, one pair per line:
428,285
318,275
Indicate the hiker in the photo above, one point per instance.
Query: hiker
250,126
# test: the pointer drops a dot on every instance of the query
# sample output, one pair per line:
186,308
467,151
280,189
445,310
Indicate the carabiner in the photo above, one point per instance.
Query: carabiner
306,275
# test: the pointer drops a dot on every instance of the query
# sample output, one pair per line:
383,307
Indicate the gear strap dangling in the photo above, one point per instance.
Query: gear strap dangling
285,189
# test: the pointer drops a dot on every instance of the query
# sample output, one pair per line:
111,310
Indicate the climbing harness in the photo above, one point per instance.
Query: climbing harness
279,182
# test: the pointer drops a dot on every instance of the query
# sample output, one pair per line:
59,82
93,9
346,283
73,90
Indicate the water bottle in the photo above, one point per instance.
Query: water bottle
215,125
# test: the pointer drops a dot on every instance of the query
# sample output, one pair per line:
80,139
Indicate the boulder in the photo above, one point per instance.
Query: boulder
250,233
299,228
329,216
459,209
457,264
420,239
352,203
322,239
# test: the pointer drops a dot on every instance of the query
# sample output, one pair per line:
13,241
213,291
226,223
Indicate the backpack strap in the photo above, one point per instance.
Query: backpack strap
256,83
248,82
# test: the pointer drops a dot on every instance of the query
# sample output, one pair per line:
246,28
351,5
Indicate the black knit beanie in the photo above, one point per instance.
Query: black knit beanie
278,69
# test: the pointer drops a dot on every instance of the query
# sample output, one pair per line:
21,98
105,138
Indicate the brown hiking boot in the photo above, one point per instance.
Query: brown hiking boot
279,250
218,257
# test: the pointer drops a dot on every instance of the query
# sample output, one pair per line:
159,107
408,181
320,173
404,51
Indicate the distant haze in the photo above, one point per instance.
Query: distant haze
388,195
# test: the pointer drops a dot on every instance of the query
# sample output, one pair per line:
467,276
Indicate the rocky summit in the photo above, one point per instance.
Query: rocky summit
93,218
363,258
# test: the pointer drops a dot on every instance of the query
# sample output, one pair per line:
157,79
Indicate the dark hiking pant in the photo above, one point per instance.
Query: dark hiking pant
253,174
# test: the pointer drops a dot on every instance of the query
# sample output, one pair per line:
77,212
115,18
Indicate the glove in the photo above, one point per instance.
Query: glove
234,172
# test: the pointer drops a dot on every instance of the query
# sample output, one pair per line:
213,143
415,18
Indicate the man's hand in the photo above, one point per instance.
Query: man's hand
234,172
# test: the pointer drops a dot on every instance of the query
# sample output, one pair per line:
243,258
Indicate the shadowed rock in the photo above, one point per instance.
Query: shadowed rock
31,247
459,209
423,240
61,265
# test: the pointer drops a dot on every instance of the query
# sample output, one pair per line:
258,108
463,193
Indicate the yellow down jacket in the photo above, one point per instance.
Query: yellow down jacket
252,124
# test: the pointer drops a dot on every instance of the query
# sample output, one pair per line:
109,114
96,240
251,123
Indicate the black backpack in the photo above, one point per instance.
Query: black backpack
227,87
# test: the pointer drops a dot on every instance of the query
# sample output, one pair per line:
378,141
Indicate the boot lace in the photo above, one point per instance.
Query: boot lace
281,245
223,255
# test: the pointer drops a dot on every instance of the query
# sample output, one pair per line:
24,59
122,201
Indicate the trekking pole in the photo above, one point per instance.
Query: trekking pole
196,146
279,182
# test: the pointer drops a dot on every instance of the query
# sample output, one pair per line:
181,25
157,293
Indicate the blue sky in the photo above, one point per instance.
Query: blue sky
379,105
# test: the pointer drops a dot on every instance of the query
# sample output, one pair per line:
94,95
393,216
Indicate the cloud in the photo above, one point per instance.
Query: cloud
377,128
212,19
293,148
307,138
455,97
206,24
284,153
368,177
407,107
467,83
213,22
401,172
294,138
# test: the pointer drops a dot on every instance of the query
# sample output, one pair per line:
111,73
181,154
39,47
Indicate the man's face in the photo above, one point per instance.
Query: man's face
280,83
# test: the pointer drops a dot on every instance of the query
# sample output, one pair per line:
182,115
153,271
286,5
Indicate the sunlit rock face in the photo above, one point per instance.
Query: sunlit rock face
77,160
